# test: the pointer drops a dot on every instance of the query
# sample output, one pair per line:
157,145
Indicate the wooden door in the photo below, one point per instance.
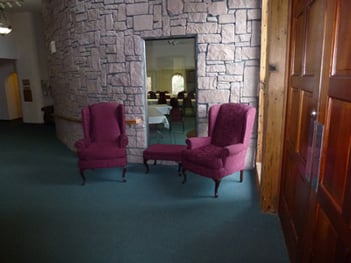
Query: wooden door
316,181
332,235
297,198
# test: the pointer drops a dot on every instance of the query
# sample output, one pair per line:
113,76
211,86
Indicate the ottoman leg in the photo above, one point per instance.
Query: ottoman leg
184,176
147,166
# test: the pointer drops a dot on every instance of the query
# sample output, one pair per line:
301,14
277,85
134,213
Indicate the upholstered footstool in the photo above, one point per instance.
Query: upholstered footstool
164,152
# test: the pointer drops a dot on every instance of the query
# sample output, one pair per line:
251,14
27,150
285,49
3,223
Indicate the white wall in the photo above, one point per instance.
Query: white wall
26,44
7,47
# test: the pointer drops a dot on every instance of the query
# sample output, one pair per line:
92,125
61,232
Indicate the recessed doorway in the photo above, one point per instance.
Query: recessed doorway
171,89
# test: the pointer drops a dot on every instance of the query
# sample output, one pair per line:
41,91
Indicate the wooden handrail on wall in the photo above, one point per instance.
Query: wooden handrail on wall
67,118
133,121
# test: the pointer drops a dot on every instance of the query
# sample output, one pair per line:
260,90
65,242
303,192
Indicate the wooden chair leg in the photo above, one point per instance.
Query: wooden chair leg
124,175
81,171
241,176
217,182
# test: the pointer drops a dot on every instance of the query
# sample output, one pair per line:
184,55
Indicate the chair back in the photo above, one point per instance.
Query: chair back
103,122
176,114
187,103
181,95
162,98
152,95
174,103
231,123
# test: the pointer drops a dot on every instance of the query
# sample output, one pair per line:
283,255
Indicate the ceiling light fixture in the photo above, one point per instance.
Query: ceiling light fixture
5,28
10,3
172,42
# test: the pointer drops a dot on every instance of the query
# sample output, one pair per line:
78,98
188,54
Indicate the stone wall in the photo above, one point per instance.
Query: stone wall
100,55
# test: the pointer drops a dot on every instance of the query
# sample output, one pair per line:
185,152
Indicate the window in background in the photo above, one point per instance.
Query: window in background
177,83
149,84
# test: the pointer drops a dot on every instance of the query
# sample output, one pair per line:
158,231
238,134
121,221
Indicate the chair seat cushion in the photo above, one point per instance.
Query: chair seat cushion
101,151
207,156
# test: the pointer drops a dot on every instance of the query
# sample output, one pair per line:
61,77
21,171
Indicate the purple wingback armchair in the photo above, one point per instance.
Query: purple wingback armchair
105,140
223,151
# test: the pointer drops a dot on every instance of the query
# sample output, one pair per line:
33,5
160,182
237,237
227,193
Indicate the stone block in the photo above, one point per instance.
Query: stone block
254,14
217,8
197,18
250,53
209,38
177,31
216,68
202,28
240,22
235,68
226,19
136,72
195,7
251,78
116,67
228,33
213,96
220,52
245,4
137,9
143,22
205,83
175,7
256,36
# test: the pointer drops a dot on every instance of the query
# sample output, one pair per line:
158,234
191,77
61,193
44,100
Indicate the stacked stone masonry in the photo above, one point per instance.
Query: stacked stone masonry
100,56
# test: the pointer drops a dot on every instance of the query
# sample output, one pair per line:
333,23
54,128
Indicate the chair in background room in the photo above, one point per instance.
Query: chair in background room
192,95
152,95
223,151
174,103
188,107
162,99
104,143
181,95
176,116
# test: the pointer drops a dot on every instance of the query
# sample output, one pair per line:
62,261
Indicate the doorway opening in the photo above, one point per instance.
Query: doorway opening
171,89
13,97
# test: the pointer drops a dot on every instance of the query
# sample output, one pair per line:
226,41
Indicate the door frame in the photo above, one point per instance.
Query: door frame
275,29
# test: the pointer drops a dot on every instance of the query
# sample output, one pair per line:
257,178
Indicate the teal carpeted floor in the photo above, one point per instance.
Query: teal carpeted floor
47,216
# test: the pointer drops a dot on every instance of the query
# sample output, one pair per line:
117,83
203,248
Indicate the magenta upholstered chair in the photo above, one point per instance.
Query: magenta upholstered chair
223,151
105,140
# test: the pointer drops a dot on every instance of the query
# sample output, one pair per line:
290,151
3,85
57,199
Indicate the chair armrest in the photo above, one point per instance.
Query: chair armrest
122,141
82,143
196,142
233,149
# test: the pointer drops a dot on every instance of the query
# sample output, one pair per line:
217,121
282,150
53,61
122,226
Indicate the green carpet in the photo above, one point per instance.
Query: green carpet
47,216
